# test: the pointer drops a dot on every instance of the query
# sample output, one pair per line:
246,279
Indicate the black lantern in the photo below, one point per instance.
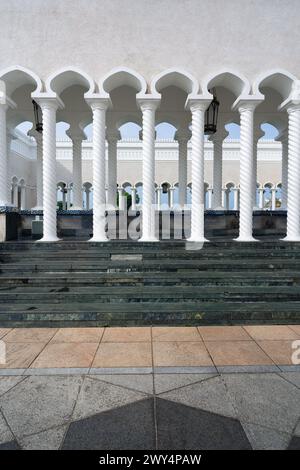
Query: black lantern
211,117
37,117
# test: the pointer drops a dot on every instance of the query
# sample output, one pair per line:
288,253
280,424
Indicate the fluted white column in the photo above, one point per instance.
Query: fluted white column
38,136
182,136
217,140
261,201
15,194
293,206
87,198
4,195
77,135
23,197
235,199
209,198
273,199
99,107
112,137
148,108
283,138
121,199
133,198
198,109
171,197
158,201
49,107
257,134
246,110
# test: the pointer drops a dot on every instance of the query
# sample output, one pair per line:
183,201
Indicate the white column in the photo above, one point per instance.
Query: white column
112,137
15,194
77,136
217,140
49,107
133,198
283,138
246,110
38,136
198,109
224,198
148,108
171,198
4,195
182,136
258,133
99,107
23,197
158,190
209,197
261,202
293,206
273,199
121,199
87,198
235,199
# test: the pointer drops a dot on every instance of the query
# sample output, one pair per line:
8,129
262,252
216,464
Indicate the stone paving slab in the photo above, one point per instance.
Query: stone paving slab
125,405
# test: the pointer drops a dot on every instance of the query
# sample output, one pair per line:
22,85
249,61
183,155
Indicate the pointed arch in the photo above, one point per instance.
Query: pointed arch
175,77
279,80
16,76
122,76
69,76
229,79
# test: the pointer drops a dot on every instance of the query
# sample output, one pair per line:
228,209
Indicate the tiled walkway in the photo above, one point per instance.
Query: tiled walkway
147,347
150,388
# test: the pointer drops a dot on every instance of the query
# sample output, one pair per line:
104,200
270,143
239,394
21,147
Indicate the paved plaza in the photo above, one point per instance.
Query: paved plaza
228,387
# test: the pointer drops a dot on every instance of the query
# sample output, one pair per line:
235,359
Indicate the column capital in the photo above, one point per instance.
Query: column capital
148,103
248,103
293,106
257,134
48,101
113,135
198,104
219,136
98,102
76,134
38,136
182,134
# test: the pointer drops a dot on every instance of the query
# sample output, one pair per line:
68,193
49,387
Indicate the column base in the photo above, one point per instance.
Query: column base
37,208
49,239
149,238
76,208
195,239
98,239
217,208
247,238
291,238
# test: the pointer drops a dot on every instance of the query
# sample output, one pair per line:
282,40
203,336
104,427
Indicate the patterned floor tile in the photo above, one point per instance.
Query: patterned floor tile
181,427
125,428
96,396
39,403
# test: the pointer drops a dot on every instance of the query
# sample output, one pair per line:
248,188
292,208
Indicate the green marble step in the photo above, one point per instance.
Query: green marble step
142,314
123,295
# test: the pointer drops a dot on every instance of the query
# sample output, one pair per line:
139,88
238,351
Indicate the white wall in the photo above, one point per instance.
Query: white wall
202,36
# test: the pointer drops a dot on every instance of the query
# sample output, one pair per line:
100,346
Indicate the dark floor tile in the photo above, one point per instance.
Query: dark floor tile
294,444
11,445
126,427
182,427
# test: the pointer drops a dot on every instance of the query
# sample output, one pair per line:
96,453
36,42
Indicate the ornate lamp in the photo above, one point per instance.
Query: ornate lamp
211,116
37,117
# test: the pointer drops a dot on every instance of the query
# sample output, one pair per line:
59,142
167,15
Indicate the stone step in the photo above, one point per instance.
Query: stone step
152,265
123,295
147,313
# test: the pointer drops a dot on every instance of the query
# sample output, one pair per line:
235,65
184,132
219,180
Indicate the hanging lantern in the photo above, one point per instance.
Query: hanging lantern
37,117
211,117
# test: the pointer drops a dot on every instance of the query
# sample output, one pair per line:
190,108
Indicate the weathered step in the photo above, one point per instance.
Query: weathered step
123,295
141,314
